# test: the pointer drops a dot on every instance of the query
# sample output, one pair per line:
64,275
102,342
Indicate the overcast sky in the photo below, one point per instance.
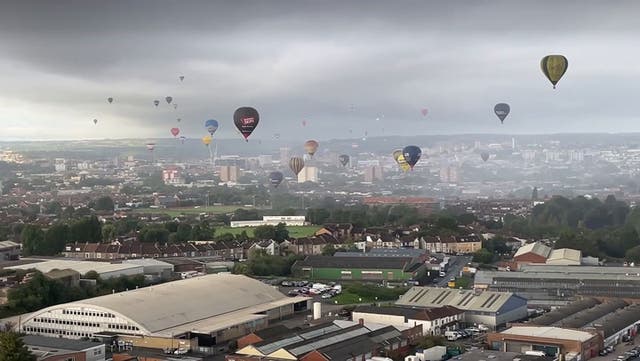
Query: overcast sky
345,67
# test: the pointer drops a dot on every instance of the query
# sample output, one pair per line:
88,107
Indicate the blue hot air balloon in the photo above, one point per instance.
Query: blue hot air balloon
412,154
211,125
275,178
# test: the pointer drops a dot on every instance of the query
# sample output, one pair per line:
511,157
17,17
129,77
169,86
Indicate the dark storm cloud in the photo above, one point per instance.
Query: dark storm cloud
314,61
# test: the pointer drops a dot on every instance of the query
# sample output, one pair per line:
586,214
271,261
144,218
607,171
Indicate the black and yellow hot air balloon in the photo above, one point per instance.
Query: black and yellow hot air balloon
554,67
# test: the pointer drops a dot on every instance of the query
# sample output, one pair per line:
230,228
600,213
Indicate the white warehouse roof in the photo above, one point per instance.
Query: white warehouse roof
549,332
104,269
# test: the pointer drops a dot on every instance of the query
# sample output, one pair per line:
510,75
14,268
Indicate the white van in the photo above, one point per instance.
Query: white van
451,335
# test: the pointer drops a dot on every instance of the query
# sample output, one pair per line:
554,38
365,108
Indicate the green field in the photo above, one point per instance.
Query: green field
173,212
294,231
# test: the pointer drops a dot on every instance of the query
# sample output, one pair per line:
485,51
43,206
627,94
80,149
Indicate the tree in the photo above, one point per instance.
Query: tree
87,229
154,233
534,194
328,250
13,349
281,232
55,239
483,256
104,204
32,239
183,232
265,232
108,232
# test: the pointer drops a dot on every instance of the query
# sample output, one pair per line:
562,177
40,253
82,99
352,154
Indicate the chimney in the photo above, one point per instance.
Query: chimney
361,321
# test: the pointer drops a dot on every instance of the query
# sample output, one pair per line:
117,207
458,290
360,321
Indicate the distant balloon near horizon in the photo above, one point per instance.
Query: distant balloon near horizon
156,102
276,136
246,119
344,159
169,99
211,125
181,77
296,164
275,178
110,100
95,121
554,67
179,119
412,154
485,156
304,123
502,110
151,146
175,106
311,147
424,112
206,140
175,131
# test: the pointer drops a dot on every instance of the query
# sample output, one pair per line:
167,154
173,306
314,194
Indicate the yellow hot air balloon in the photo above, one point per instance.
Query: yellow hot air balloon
554,67
399,158
206,140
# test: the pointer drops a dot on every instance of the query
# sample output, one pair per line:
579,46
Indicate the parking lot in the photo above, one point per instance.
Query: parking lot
622,351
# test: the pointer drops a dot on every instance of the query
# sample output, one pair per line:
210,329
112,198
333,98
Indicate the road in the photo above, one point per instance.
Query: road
456,264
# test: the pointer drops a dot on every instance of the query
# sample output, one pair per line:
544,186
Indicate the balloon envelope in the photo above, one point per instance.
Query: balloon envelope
412,154
95,121
110,100
344,159
424,112
296,164
206,140
554,67
156,102
275,178
211,125
181,77
484,156
175,131
246,120
168,99
311,146
502,110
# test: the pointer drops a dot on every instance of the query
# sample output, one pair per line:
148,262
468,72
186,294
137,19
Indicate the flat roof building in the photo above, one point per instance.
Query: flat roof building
212,308
49,348
104,269
359,268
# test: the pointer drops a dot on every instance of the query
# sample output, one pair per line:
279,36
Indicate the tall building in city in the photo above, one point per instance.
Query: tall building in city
229,173
60,165
373,173
172,175
449,174
285,154
308,174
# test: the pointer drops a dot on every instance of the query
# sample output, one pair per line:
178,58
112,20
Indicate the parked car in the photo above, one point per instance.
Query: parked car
293,293
327,295
286,283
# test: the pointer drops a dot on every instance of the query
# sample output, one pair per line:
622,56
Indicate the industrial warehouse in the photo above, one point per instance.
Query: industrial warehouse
546,285
492,309
218,308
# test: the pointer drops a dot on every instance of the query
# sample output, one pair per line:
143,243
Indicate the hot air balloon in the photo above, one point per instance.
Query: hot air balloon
304,123
179,119
276,136
424,111
168,99
211,125
110,100
311,146
206,140
95,121
296,164
151,146
502,110
554,67
484,156
182,139
412,154
246,120
344,159
175,106
181,77
399,158
175,131
275,178
156,102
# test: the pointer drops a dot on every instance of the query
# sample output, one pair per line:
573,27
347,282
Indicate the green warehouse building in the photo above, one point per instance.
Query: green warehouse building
359,268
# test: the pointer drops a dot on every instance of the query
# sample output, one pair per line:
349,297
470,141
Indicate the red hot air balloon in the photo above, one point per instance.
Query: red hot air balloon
246,120
304,123
424,112
175,131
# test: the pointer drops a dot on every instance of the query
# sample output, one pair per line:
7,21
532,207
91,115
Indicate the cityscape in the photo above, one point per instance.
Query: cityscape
319,181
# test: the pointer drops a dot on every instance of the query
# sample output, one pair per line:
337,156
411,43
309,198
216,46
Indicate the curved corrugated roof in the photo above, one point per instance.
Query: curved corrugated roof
584,317
556,315
614,322
171,304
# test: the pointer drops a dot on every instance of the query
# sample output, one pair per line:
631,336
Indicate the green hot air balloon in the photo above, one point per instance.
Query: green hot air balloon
554,67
